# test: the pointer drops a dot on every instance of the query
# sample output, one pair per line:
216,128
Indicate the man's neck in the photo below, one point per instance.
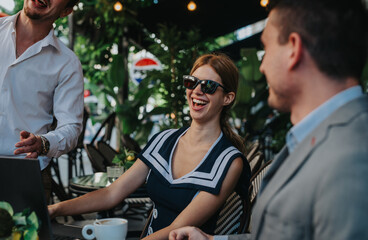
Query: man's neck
29,31
319,92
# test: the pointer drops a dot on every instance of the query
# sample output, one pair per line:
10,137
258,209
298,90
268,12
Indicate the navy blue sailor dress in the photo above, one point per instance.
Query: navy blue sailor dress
171,196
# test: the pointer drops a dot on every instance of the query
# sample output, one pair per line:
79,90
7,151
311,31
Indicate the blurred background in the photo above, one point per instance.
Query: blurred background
134,53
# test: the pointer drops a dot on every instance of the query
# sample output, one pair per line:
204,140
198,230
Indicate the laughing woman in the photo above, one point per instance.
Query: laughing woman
189,171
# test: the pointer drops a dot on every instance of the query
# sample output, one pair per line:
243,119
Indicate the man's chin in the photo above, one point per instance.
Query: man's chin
279,106
32,15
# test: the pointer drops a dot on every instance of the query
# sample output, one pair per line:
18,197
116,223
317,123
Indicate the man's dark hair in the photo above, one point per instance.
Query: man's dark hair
333,31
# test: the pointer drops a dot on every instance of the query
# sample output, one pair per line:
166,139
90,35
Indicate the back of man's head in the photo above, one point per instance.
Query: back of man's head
333,31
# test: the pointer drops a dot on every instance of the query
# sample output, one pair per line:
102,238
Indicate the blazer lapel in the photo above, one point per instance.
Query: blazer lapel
280,173
284,167
278,160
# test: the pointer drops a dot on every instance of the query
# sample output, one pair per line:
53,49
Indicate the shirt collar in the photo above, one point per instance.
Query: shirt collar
12,19
298,132
50,39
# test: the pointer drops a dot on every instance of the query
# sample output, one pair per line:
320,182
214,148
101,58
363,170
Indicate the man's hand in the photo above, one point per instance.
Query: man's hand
189,233
30,144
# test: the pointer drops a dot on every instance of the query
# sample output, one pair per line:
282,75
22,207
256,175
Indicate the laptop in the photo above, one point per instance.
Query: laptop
21,186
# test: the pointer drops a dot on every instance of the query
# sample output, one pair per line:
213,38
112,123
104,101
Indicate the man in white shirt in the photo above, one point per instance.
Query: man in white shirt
40,78
317,186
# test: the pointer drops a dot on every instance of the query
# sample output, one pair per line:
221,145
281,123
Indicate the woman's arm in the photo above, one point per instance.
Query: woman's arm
204,205
104,198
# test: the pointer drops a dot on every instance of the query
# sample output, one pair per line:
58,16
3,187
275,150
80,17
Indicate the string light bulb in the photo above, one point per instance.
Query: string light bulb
264,3
192,6
118,6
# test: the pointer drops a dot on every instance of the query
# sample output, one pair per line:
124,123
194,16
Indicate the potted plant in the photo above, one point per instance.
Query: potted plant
125,158
121,162
22,225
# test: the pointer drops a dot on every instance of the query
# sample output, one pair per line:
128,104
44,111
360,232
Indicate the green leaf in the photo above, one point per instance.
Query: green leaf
118,160
30,234
250,64
128,164
19,219
32,220
7,207
117,72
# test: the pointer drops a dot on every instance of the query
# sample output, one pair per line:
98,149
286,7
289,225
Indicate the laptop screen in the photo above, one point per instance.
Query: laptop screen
21,186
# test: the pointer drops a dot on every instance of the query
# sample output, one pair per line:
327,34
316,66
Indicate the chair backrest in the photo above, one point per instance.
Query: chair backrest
130,143
81,136
256,162
107,151
98,161
255,182
233,216
146,225
253,149
108,125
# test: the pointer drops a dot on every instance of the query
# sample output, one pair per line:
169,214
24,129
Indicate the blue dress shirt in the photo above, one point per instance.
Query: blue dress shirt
299,131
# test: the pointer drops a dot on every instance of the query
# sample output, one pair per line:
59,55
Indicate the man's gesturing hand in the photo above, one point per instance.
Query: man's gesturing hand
30,144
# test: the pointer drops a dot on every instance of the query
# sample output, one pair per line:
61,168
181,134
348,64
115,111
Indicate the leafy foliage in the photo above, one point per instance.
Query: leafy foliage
125,158
177,51
23,223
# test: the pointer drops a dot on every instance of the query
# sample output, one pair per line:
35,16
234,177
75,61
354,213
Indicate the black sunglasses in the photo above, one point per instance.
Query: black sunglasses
207,86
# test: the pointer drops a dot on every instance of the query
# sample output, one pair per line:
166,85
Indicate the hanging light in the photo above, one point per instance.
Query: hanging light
192,6
118,6
264,3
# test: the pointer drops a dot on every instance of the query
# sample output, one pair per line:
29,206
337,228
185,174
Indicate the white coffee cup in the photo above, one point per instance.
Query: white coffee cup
106,229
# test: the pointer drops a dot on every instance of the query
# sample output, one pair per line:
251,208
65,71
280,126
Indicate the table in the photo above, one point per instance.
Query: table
137,205
88,183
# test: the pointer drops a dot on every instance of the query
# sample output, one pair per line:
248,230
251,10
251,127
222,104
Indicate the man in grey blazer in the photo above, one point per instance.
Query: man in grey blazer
317,186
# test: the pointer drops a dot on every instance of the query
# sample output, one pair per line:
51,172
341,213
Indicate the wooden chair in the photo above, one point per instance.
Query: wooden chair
256,162
107,151
108,126
138,205
76,155
98,161
255,184
234,216
252,150
255,157
146,225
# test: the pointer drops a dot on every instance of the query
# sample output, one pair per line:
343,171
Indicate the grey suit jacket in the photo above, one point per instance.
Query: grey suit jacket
320,191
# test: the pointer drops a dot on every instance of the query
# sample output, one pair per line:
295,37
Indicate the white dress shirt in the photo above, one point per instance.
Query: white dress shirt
45,80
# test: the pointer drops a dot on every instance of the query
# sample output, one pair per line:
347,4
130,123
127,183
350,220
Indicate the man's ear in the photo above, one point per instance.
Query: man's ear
229,98
66,12
296,50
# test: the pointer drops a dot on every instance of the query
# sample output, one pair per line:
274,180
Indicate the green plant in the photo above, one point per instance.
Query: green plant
125,158
177,52
23,223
